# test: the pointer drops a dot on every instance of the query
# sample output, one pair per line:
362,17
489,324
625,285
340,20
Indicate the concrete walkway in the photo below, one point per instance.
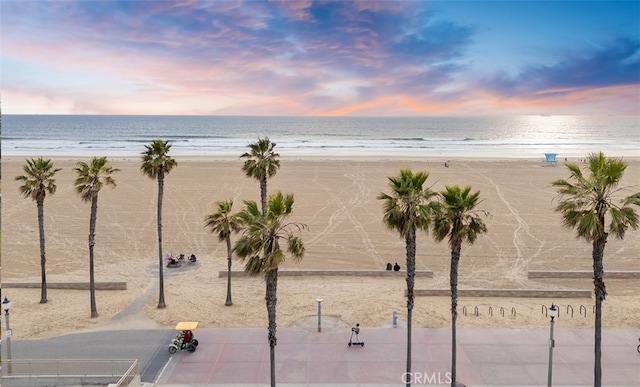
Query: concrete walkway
305,357
486,357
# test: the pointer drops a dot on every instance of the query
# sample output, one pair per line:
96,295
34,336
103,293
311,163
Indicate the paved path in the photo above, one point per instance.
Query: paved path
305,357
486,357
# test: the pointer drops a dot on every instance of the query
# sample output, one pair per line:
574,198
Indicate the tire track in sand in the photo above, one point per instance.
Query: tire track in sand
345,210
521,231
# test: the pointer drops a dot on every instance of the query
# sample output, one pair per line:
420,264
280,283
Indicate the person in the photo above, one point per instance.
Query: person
186,337
356,331
179,339
388,265
192,258
396,267
172,260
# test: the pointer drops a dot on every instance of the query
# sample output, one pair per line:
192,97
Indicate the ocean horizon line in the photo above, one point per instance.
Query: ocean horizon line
434,136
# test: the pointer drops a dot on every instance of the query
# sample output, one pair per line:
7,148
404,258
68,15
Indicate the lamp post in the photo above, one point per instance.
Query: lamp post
319,314
553,310
6,305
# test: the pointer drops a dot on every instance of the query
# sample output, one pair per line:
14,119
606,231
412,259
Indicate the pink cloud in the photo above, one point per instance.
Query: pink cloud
297,10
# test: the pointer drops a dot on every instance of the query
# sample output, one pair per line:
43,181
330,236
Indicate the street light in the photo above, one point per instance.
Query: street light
553,310
6,305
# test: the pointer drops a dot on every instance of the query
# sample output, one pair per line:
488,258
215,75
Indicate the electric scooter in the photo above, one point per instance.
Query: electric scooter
355,331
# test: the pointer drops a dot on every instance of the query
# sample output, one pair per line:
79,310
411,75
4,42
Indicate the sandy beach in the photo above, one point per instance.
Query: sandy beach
336,198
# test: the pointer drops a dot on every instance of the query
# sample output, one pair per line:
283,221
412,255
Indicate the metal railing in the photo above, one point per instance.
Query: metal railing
125,370
131,377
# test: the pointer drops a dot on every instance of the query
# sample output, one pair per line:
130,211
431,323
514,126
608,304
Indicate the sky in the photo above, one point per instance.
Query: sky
320,58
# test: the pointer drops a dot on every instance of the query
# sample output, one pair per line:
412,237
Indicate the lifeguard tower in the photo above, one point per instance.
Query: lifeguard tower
550,158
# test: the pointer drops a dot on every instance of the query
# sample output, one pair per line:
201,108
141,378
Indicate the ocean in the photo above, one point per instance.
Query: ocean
432,137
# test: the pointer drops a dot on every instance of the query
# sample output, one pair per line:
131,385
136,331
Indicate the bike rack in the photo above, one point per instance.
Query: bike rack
585,310
545,310
476,311
570,307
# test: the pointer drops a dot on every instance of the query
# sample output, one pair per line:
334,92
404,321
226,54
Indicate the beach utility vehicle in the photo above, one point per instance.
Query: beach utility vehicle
185,339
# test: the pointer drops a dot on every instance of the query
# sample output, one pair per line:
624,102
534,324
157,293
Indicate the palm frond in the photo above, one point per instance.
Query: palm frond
457,217
408,206
92,176
38,179
632,200
261,162
261,234
156,161
223,222
589,196
254,265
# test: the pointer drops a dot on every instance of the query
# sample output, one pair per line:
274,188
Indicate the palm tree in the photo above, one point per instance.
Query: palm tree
459,221
407,209
585,201
156,164
37,182
259,245
91,178
262,163
224,223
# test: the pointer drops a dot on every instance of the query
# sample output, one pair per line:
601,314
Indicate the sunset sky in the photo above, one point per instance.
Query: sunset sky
322,58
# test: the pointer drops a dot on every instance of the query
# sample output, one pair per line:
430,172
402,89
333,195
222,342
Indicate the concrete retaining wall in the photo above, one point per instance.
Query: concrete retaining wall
334,273
512,293
582,274
68,285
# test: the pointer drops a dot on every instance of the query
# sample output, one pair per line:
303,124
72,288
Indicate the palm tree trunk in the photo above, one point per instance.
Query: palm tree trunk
455,261
92,231
228,302
161,303
43,260
271,277
410,242
600,295
263,195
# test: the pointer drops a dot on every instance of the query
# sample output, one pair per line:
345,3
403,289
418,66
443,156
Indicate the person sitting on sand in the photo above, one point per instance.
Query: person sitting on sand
396,267
388,265
169,257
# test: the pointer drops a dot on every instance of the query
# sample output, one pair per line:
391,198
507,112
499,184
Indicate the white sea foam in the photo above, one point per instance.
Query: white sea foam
502,137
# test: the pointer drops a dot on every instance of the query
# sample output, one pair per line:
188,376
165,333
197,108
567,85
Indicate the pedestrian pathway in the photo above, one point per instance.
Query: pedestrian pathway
133,317
486,357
